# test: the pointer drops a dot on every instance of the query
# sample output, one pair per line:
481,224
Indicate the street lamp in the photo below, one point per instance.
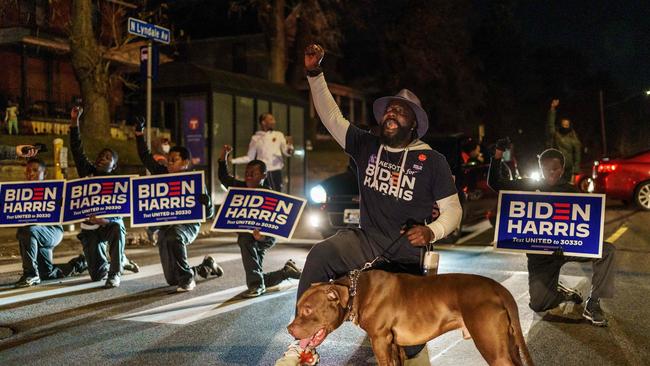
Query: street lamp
602,113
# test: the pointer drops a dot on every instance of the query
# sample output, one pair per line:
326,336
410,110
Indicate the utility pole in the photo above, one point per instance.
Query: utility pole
602,122
149,82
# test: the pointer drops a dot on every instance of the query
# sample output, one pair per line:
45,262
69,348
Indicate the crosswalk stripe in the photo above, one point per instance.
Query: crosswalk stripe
201,307
73,284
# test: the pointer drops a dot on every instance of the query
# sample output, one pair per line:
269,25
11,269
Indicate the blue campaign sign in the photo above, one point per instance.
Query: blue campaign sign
147,30
274,214
167,199
31,203
542,222
98,196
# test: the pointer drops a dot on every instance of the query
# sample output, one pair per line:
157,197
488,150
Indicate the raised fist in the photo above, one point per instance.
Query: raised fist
140,124
313,57
75,114
555,103
225,150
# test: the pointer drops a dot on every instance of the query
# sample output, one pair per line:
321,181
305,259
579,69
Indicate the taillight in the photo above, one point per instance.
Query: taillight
607,168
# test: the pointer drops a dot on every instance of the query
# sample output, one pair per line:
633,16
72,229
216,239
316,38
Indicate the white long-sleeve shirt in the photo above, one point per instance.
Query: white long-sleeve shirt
371,166
269,146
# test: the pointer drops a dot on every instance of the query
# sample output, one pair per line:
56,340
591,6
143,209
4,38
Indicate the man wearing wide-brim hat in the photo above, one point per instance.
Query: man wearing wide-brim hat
400,178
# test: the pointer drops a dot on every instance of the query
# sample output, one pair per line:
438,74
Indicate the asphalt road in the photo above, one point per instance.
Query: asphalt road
76,322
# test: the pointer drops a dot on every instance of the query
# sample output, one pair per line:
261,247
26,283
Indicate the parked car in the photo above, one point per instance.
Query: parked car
626,179
334,202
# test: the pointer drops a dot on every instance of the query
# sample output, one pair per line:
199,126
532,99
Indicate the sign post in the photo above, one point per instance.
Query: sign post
153,33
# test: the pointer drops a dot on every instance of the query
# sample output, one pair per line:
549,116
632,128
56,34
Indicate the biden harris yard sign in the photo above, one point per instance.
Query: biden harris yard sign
31,203
245,209
542,222
167,199
98,196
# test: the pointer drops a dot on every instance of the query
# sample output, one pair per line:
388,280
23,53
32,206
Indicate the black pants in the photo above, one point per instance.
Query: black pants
36,245
172,243
275,179
94,242
252,256
339,254
544,272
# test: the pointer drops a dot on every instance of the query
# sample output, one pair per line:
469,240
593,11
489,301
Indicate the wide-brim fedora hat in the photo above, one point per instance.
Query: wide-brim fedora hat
405,95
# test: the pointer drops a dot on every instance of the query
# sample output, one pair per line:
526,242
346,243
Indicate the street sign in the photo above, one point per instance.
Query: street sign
148,30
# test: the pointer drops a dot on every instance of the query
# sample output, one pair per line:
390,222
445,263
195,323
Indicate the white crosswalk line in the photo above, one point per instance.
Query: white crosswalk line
450,349
191,310
15,267
73,284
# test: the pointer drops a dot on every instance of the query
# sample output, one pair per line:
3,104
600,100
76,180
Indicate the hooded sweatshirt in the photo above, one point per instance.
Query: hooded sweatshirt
395,184
269,146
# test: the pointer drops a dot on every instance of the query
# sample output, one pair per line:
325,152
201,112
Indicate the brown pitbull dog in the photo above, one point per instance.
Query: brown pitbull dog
398,310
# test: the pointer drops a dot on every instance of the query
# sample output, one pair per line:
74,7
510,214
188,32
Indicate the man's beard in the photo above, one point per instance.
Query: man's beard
402,137
564,130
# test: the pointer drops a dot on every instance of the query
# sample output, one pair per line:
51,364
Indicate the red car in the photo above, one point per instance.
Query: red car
626,179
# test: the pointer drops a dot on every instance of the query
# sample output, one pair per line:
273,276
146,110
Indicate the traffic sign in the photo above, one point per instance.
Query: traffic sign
148,30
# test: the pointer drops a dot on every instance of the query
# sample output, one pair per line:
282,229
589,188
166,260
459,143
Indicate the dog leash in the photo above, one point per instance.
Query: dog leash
354,278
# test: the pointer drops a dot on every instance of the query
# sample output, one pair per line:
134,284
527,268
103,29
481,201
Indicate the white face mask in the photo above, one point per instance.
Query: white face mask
506,155
165,148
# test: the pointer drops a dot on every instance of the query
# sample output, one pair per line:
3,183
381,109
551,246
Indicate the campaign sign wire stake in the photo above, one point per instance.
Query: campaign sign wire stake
246,209
98,196
543,222
31,202
167,199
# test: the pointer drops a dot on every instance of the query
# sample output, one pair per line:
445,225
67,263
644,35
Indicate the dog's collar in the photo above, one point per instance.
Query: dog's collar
352,292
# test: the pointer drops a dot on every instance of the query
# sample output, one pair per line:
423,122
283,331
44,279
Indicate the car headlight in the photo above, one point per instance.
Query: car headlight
535,176
318,194
314,219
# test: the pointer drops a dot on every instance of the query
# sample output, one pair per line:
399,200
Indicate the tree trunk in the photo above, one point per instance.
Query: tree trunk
91,70
278,43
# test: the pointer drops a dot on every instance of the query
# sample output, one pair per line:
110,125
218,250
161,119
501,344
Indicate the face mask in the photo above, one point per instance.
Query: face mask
506,155
564,130
165,148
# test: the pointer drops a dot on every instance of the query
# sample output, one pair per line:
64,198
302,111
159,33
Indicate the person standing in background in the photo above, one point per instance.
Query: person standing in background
11,117
271,147
565,139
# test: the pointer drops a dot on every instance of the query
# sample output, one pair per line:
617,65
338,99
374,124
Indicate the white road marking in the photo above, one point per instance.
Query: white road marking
477,230
198,308
73,284
446,349
14,267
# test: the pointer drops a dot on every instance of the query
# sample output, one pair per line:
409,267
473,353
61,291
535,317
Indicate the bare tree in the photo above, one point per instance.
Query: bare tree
91,68
291,25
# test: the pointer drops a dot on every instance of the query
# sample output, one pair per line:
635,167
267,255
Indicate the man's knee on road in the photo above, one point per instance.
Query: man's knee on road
115,230
25,233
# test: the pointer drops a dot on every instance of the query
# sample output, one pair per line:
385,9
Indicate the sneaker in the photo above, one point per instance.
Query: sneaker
569,294
594,313
77,265
296,355
254,292
27,281
291,270
131,266
209,267
186,287
112,281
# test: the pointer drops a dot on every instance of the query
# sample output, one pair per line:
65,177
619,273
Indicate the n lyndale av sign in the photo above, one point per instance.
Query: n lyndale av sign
148,30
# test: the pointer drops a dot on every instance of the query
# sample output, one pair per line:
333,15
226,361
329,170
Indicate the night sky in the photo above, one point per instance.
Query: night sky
613,35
